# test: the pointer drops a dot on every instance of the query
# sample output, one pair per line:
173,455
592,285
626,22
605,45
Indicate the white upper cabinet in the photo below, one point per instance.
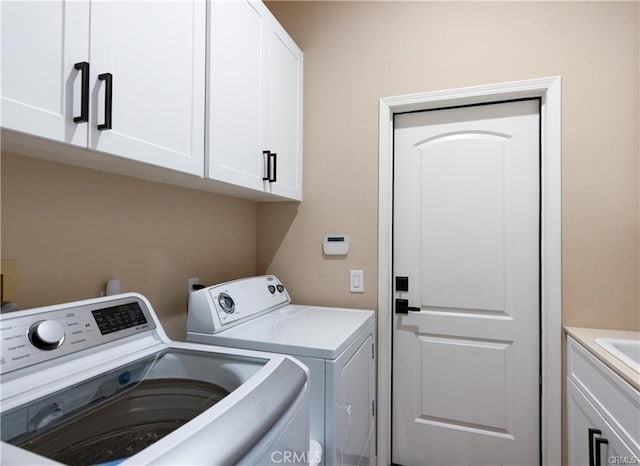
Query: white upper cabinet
41,88
283,102
143,89
255,100
205,88
154,53
235,107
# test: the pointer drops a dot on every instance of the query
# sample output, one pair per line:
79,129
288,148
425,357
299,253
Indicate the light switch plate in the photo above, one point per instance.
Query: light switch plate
356,281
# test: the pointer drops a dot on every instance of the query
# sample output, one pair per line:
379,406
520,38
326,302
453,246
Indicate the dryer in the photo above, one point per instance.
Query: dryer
98,381
336,344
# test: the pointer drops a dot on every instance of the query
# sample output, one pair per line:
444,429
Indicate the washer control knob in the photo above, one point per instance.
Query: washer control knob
46,334
280,288
226,303
272,289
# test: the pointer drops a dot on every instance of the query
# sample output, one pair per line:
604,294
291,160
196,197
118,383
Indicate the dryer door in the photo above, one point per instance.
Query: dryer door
350,435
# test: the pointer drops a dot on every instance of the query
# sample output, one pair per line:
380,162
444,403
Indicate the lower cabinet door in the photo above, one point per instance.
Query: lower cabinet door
591,440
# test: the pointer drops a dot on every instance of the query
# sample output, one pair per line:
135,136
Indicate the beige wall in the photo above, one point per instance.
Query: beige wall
71,229
357,52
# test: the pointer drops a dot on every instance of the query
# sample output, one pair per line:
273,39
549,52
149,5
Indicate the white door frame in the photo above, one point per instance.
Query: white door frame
549,90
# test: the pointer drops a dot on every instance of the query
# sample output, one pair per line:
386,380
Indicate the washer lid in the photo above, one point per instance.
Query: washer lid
321,332
123,411
158,409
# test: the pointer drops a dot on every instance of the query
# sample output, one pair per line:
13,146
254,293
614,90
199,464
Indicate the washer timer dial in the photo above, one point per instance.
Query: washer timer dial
46,334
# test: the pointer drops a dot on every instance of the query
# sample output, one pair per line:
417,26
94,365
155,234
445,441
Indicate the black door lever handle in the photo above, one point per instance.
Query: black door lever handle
402,307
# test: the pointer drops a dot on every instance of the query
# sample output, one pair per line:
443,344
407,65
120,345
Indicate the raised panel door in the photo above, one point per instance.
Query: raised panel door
283,76
41,89
155,53
235,108
582,417
466,223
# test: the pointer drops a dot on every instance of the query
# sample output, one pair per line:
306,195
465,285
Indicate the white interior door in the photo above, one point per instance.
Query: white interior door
466,235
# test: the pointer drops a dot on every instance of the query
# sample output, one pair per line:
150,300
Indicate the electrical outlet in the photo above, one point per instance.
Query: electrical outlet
190,283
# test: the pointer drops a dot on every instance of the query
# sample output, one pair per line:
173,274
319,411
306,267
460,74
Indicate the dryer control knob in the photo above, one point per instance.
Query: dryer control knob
46,334
226,303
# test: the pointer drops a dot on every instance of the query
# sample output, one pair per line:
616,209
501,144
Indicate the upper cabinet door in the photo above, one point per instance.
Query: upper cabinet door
152,57
41,88
235,107
254,129
283,100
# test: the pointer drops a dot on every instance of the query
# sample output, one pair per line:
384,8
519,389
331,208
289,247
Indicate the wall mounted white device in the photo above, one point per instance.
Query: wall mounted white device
335,245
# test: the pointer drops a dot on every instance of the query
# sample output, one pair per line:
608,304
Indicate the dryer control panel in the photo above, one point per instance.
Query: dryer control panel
222,306
37,335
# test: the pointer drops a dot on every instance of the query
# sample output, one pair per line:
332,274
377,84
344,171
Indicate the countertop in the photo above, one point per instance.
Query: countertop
587,336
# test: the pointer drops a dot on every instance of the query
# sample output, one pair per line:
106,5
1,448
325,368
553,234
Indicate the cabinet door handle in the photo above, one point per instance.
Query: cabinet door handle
267,165
270,166
274,171
599,442
108,100
592,432
83,67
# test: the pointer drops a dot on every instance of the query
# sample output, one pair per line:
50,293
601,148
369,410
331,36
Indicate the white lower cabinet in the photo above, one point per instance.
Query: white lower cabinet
254,108
592,441
603,412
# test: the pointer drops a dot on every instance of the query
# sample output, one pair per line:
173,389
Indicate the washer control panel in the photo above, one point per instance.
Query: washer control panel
38,335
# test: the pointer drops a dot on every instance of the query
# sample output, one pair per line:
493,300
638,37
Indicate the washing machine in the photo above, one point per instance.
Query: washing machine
337,345
99,382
